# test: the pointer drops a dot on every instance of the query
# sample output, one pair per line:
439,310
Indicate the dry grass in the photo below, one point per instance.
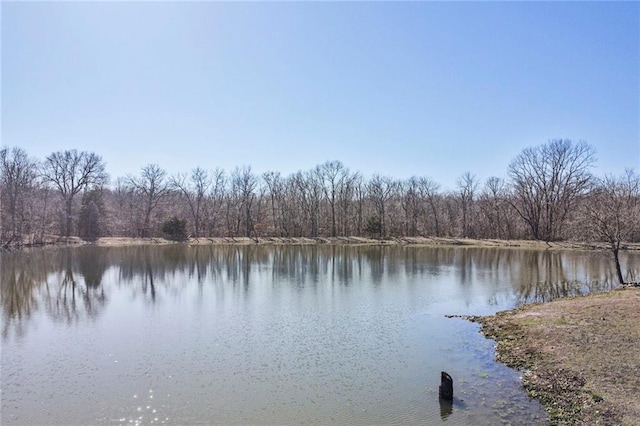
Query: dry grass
581,355
53,240
412,241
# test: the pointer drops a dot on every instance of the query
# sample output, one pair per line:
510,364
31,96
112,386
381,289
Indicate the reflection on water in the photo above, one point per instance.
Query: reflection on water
253,334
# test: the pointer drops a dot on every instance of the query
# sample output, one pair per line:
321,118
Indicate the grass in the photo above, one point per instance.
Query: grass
580,355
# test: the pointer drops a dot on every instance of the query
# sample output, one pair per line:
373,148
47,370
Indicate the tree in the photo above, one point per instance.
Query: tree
215,200
428,190
18,175
346,196
381,189
152,186
90,219
373,226
613,213
467,186
195,192
175,229
547,180
493,207
71,172
411,205
275,186
333,176
124,208
243,185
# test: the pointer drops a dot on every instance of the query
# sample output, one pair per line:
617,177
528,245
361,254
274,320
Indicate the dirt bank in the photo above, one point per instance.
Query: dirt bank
580,356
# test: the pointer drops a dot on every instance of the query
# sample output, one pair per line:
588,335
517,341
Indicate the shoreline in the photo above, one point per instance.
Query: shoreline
54,241
580,356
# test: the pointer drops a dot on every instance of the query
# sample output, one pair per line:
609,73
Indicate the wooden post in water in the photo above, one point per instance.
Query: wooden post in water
446,386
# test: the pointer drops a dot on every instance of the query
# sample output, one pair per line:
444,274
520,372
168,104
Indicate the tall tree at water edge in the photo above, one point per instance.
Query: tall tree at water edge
613,213
547,180
71,172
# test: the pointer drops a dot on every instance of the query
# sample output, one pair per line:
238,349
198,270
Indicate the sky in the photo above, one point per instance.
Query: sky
399,89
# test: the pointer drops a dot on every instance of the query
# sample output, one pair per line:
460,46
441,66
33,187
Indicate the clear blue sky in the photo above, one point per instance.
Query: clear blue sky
422,88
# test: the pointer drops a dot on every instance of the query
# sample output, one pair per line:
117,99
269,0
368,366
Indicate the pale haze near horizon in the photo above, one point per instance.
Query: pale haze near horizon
398,89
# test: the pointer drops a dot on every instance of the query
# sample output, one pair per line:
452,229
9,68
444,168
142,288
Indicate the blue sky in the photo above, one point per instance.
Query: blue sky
400,89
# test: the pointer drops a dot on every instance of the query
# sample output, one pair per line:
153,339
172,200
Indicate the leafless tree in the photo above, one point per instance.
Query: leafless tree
333,175
381,190
547,180
195,191
71,172
411,204
243,185
360,197
346,201
493,203
467,185
152,186
216,198
275,185
613,213
123,208
307,191
428,190
18,179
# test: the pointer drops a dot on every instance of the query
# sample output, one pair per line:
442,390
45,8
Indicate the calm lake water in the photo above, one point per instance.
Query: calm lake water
269,335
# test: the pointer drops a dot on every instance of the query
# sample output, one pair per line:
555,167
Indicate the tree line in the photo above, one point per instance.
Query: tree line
549,194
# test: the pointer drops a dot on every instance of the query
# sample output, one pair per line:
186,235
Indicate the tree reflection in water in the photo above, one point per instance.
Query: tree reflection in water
74,299
67,283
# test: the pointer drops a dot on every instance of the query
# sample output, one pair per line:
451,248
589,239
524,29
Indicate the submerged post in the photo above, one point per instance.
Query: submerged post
446,386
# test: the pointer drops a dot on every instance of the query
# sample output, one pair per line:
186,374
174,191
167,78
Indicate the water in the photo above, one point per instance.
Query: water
269,335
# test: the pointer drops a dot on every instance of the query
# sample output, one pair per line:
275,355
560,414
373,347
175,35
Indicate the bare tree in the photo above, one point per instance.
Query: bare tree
428,190
275,186
411,205
467,186
18,175
381,189
308,191
547,180
333,175
346,198
152,185
195,192
216,198
492,203
243,184
360,196
613,213
71,172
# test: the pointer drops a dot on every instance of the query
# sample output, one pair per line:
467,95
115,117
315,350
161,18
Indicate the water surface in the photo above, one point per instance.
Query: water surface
269,335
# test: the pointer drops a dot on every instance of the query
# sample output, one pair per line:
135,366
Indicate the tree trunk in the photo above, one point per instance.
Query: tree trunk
69,205
616,258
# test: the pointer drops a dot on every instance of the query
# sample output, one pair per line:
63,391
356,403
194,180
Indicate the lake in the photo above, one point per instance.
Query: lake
182,334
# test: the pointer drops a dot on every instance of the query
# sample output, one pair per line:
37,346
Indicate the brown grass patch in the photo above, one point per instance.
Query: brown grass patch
581,356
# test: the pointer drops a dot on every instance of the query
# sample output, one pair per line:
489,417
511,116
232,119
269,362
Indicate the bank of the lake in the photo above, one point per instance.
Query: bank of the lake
580,355
355,241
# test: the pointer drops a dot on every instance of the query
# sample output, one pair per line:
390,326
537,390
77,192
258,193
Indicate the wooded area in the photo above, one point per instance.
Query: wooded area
549,194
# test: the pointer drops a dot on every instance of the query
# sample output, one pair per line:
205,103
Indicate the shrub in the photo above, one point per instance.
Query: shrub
373,226
175,229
